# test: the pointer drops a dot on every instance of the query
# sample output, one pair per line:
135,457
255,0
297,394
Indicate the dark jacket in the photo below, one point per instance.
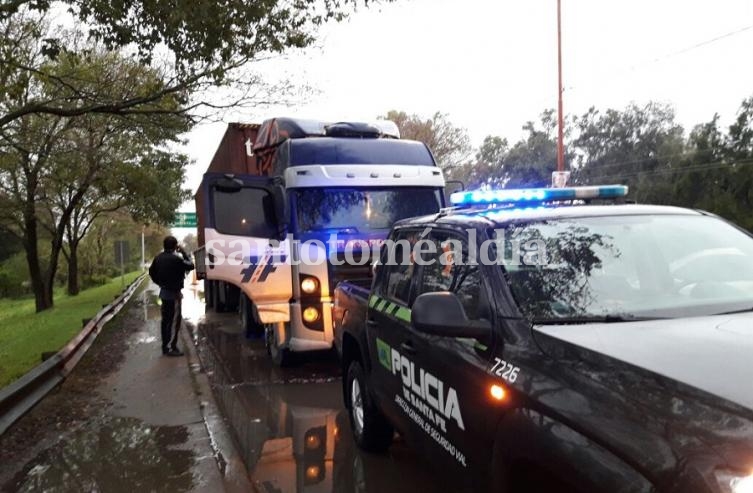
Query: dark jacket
168,270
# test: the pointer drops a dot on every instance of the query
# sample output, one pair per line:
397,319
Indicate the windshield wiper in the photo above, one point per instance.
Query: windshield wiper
593,319
733,312
343,230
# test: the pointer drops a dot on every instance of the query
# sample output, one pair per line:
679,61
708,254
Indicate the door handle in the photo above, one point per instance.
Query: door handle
407,347
371,322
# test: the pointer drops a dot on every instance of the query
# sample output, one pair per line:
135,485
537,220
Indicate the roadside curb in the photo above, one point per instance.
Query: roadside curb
19,397
229,460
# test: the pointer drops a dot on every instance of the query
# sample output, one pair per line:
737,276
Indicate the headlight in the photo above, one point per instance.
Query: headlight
742,485
309,285
310,314
735,482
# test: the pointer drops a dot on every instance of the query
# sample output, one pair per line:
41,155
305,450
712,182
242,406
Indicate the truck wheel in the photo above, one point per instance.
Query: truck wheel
371,430
252,329
219,306
209,293
281,357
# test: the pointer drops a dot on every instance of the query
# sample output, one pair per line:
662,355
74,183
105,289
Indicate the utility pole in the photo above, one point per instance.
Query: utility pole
560,117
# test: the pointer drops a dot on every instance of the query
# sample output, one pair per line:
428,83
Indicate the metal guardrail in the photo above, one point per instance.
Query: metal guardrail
23,394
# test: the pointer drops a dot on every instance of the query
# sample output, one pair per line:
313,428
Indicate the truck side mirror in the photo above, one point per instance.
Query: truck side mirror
441,313
228,184
281,211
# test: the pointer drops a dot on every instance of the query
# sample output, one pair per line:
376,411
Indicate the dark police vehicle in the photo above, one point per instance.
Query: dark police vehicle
559,335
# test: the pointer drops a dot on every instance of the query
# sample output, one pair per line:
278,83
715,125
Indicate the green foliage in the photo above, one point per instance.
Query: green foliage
196,43
25,335
641,146
14,277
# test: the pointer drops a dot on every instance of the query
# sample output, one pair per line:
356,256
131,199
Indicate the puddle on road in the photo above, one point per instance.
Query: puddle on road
290,425
246,361
112,454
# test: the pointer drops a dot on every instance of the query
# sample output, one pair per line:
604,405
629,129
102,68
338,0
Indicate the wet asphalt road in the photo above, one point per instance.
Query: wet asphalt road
290,425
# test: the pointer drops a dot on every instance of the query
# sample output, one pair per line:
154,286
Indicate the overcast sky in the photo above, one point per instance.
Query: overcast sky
491,64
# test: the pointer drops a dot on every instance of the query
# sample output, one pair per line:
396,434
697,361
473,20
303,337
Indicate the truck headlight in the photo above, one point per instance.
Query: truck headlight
742,485
309,285
310,314
735,482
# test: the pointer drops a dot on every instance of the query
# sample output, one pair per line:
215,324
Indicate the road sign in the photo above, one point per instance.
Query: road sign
122,253
184,220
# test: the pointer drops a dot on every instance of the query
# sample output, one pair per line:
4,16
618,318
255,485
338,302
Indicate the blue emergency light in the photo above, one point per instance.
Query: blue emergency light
533,195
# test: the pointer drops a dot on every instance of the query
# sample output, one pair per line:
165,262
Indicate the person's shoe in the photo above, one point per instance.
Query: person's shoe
165,351
174,352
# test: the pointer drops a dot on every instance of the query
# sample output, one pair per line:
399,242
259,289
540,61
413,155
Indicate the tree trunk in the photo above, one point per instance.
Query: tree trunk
42,296
73,285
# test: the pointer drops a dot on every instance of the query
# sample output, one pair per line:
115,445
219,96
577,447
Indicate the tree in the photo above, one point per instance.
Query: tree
60,173
194,46
528,163
450,144
632,146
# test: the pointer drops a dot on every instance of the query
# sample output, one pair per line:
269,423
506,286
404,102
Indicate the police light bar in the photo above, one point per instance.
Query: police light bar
528,195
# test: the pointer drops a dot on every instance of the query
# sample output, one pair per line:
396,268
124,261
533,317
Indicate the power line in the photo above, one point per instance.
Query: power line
685,169
634,67
697,45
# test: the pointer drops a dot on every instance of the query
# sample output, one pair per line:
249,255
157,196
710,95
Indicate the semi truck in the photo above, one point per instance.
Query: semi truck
289,208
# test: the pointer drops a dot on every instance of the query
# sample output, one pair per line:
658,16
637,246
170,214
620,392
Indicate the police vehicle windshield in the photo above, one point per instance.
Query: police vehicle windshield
352,211
621,268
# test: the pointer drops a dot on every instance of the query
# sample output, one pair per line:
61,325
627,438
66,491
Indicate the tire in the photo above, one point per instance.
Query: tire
249,325
209,294
371,430
219,306
281,357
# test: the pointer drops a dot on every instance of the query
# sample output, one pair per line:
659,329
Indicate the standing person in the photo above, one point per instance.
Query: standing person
168,270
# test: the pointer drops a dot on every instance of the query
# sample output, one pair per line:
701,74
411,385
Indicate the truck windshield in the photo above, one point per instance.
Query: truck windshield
623,268
351,211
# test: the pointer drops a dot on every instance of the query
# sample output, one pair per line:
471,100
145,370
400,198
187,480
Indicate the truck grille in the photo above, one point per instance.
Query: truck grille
347,271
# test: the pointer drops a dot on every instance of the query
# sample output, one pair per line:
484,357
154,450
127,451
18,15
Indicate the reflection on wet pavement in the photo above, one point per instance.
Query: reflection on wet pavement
290,424
92,458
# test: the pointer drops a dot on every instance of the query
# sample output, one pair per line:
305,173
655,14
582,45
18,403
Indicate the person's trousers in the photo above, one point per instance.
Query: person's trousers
171,321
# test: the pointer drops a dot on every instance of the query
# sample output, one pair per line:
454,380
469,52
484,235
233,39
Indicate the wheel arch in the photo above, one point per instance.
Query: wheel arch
528,441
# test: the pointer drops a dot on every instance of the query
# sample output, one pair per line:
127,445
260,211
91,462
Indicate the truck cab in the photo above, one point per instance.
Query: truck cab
319,199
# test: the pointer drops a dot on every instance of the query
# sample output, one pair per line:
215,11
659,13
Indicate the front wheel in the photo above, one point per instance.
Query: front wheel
252,328
281,357
371,430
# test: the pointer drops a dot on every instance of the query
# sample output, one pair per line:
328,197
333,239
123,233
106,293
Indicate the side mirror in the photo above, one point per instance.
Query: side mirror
228,184
452,186
281,209
442,314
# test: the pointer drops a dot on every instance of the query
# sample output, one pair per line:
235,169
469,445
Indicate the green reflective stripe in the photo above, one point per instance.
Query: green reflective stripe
403,314
373,301
480,346
380,306
389,309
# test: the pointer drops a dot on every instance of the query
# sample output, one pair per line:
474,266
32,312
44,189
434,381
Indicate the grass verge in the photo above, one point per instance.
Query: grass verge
25,335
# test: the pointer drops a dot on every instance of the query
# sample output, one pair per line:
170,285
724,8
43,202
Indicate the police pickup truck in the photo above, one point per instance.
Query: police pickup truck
561,336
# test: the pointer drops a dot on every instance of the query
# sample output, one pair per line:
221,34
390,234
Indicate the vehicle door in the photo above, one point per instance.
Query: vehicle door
454,370
246,217
388,324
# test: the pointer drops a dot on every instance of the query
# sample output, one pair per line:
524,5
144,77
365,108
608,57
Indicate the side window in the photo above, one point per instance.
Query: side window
451,270
244,212
397,266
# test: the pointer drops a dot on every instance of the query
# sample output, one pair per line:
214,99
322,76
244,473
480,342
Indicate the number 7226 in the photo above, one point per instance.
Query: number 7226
505,370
